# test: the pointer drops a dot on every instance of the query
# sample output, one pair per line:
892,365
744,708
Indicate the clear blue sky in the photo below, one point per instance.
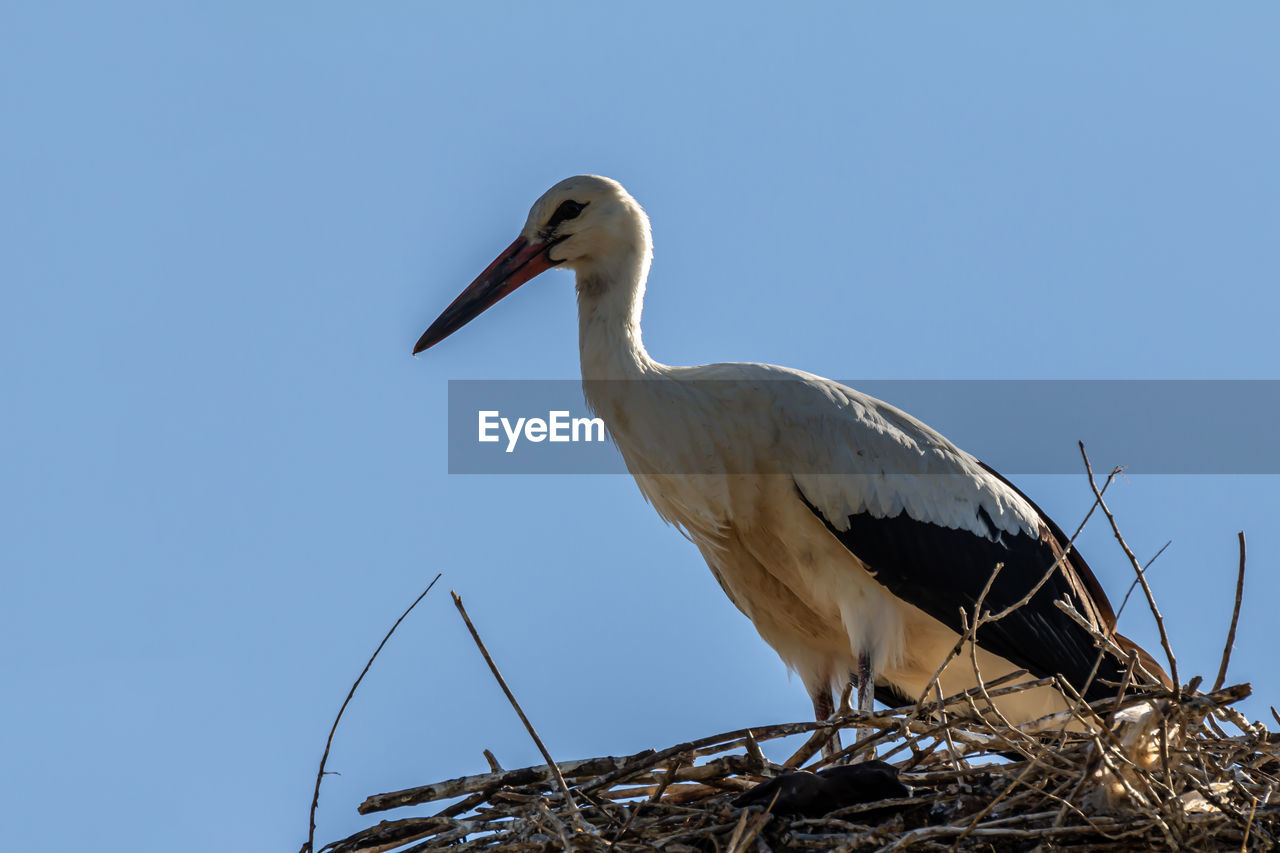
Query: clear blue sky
223,475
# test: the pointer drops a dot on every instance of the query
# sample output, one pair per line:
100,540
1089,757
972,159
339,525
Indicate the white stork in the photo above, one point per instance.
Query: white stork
850,533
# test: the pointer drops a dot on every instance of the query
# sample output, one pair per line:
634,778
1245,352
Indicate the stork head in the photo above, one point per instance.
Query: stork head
584,223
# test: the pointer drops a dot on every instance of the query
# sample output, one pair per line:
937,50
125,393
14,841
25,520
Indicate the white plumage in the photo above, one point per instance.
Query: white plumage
841,526
811,599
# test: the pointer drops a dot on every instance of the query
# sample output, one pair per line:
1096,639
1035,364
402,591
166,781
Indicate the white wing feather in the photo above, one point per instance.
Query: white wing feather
848,452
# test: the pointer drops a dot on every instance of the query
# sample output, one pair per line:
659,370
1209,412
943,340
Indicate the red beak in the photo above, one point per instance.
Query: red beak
520,262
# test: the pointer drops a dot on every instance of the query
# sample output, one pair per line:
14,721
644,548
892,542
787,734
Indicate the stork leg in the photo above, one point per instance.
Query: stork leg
823,708
866,682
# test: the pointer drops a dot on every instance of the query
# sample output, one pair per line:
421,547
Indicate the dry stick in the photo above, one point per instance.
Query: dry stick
1107,756
555,821
1166,764
869,742
1132,661
1124,602
819,738
1130,665
958,761
995,801
977,673
1100,638
1137,567
753,750
738,841
1066,552
486,783
667,779
962,639
1112,751
1068,803
999,832
1093,672
502,682
1244,845
1097,662
742,825
729,740
669,776
1235,618
911,742
315,796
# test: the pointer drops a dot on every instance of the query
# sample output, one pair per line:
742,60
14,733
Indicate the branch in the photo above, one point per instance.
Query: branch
1137,567
315,796
502,682
1235,618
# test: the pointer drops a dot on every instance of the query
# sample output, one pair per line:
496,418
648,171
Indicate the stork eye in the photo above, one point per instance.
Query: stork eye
566,210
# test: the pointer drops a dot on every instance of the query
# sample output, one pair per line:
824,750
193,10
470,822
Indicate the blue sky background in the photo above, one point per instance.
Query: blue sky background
223,476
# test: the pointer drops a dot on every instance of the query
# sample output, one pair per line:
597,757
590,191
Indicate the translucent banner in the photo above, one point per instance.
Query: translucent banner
1016,426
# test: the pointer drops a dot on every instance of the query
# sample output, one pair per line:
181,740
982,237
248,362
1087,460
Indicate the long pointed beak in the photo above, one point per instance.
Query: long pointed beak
521,261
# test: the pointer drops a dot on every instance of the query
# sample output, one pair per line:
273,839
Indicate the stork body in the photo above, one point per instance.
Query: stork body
850,533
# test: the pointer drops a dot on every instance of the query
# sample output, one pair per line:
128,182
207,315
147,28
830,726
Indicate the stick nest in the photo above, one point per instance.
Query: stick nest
1156,769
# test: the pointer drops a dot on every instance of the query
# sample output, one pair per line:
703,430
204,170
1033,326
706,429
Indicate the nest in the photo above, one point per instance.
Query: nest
1159,766
1155,769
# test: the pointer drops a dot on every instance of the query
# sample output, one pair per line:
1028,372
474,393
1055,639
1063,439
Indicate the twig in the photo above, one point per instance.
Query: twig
1062,558
1100,638
1235,618
967,635
1124,602
977,672
739,841
328,744
958,761
555,822
502,682
486,783
986,810
1137,567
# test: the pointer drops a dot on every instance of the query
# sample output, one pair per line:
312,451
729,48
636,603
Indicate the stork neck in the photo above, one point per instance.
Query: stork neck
609,304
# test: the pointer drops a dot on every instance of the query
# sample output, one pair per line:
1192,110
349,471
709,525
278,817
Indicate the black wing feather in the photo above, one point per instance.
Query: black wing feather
939,570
